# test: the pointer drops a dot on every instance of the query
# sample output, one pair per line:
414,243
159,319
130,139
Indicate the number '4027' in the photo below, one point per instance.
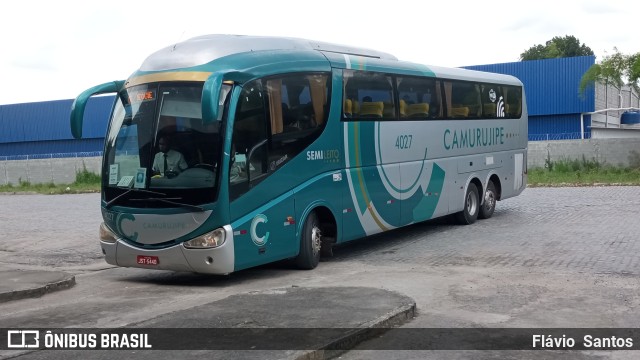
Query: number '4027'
403,141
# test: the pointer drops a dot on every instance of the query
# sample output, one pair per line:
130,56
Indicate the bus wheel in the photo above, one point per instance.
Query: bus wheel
471,206
311,241
489,206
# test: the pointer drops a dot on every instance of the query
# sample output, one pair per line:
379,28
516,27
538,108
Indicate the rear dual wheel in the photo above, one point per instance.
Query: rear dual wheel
471,206
489,205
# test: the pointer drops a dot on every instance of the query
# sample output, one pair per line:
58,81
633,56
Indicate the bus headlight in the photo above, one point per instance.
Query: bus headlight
209,240
107,235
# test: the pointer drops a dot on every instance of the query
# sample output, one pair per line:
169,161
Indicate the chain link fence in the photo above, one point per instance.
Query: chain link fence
559,136
59,168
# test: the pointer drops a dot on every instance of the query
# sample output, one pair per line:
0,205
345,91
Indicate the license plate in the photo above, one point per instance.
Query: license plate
148,260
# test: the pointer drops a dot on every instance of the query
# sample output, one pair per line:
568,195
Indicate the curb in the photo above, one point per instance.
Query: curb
67,282
335,347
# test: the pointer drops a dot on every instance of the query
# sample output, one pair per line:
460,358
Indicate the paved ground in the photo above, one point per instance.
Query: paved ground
565,257
49,231
21,284
594,230
264,320
554,257
584,229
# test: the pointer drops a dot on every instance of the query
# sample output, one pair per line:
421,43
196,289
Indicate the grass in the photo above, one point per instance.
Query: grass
583,173
86,181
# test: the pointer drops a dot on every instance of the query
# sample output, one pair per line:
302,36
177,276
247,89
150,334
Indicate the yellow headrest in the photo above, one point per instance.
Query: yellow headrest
371,108
512,109
489,109
459,111
418,109
347,106
403,108
389,110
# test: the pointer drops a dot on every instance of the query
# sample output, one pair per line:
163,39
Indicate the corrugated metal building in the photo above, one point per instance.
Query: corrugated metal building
553,100
551,87
43,127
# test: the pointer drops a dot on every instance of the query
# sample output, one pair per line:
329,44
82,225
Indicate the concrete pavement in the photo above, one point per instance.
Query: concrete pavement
326,320
27,264
20,284
551,258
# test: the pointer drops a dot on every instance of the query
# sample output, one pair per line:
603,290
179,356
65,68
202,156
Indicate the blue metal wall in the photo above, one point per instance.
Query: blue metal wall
558,127
43,127
551,85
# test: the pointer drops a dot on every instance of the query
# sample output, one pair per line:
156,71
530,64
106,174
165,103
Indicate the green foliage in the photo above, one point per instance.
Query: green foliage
49,188
85,176
575,165
536,52
558,47
634,68
23,183
614,69
582,172
86,181
548,164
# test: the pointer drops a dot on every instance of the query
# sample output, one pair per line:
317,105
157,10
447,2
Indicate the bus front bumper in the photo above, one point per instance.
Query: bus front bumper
219,260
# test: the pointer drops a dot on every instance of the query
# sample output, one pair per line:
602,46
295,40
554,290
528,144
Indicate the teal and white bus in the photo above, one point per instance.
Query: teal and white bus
279,148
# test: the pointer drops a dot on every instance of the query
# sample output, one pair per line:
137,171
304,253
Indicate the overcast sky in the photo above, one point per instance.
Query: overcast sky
54,50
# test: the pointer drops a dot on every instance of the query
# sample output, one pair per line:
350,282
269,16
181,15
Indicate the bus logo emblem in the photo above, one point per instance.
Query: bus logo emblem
259,240
23,339
500,108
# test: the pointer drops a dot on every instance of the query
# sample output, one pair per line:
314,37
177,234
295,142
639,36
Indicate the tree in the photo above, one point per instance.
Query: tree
634,71
614,69
558,47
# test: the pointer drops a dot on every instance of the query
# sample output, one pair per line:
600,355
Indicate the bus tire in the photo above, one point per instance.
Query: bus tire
310,244
489,205
469,214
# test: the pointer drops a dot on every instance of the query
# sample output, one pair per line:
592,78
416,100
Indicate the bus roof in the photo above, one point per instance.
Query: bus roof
204,49
235,53
473,75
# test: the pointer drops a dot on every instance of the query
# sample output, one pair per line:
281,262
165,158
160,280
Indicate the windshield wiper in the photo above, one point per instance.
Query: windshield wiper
108,204
170,201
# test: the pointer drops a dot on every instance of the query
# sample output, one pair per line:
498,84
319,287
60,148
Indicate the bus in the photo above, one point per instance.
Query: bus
225,152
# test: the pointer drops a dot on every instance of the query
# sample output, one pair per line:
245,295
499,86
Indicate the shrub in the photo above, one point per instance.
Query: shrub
85,176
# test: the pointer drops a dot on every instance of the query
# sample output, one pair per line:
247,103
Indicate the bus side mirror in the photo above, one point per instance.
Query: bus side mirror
210,94
213,96
79,104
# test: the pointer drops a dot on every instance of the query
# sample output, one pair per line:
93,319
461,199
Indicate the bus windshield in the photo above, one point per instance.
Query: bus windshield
157,141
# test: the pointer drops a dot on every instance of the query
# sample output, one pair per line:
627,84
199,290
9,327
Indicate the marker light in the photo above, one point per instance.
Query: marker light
106,235
209,240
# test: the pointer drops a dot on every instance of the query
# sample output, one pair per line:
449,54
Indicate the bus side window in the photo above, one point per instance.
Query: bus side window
298,111
419,98
491,96
370,94
513,107
463,99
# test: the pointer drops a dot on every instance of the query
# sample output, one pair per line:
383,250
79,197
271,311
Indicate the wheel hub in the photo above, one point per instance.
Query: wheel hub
490,199
471,204
316,240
